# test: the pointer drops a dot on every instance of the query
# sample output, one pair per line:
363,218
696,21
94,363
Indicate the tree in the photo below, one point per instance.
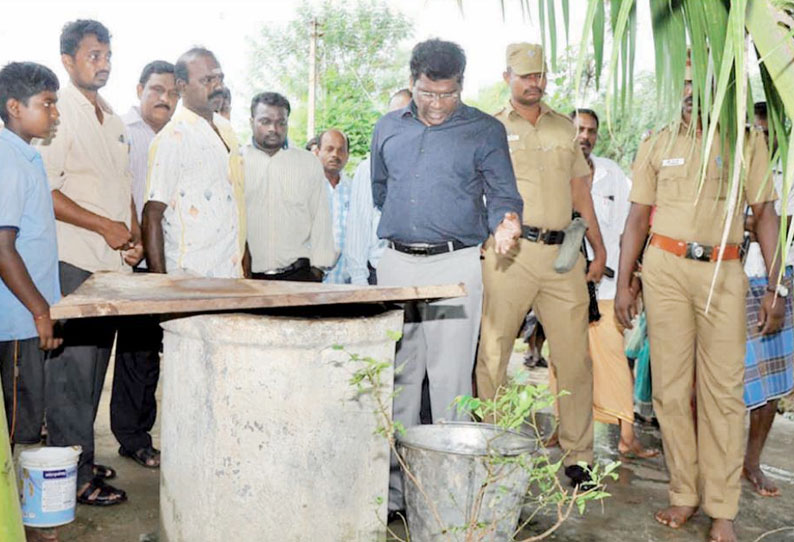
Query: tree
716,35
359,63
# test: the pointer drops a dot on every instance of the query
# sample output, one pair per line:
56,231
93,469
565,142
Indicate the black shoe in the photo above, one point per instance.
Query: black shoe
395,515
579,477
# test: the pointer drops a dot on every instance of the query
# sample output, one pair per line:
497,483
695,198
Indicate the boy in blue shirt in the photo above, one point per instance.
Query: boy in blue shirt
28,250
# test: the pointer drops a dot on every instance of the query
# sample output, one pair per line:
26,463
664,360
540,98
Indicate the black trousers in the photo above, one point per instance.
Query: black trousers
74,375
22,373
133,407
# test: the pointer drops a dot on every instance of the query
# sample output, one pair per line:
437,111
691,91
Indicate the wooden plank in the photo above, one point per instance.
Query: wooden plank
116,294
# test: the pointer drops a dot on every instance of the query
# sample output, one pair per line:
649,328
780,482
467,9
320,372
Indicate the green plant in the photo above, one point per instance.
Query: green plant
515,409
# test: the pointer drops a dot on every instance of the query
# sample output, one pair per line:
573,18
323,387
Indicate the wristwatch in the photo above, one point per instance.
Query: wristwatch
781,290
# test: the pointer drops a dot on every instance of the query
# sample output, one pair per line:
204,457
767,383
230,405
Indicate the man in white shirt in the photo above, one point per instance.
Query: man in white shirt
194,216
88,170
363,249
290,234
769,359
133,407
613,385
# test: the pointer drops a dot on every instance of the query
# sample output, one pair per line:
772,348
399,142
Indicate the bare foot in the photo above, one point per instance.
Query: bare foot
635,450
762,485
722,531
675,516
33,534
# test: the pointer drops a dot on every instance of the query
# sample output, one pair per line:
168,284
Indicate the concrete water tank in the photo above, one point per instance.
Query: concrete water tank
263,437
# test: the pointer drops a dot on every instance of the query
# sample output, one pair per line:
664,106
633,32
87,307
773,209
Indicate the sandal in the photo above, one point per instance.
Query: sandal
104,472
148,457
98,493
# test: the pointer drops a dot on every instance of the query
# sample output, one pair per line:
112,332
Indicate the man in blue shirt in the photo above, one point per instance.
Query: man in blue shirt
28,249
442,177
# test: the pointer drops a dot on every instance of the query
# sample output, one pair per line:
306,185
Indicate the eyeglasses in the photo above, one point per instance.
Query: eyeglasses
440,96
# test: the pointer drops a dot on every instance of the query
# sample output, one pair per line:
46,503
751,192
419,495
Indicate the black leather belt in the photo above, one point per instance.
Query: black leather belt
538,235
300,263
427,249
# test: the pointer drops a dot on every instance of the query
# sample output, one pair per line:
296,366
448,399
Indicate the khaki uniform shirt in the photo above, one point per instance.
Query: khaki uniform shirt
287,207
666,175
545,158
88,161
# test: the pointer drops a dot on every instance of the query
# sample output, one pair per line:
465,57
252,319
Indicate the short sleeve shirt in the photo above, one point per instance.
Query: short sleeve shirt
27,208
88,161
545,158
666,174
191,171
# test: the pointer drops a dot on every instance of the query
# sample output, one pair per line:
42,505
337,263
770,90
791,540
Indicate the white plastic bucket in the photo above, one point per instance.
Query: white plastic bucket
48,485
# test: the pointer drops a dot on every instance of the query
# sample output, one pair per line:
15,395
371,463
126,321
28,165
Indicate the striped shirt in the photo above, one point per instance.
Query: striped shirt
288,212
139,135
362,245
340,204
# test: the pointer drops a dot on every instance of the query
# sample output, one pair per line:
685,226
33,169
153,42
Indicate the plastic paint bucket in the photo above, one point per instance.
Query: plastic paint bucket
48,485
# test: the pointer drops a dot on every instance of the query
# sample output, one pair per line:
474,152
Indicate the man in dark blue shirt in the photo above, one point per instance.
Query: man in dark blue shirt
442,176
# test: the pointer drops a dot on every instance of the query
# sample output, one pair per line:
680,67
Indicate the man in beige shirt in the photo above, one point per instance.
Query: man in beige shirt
290,234
87,166
552,177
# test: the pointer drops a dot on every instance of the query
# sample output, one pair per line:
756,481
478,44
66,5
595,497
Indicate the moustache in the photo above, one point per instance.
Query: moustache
216,94
164,106
103,72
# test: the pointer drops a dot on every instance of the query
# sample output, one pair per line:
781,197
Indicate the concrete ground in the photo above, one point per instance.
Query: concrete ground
625,517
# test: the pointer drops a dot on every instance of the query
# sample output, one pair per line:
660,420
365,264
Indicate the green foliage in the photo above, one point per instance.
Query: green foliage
514,409
359,65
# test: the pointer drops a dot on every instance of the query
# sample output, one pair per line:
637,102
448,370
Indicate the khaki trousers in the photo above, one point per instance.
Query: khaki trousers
691,348
513,284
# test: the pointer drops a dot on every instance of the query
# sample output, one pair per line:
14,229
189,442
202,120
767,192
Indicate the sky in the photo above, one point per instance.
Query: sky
145,30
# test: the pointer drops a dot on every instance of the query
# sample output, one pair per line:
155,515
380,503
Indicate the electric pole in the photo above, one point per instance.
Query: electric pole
313,35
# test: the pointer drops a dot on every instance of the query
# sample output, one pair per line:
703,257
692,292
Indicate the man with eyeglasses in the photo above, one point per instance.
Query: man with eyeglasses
442,178
553,179
194,216
290,233
133,407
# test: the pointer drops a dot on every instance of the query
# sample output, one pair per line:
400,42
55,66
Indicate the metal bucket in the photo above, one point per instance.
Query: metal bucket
452,461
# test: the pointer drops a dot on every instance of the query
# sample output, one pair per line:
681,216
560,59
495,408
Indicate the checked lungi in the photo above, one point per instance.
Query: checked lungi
769,360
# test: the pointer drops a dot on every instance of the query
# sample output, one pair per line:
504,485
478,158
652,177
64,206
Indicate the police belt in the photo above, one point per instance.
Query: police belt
694,251
539,235
427,249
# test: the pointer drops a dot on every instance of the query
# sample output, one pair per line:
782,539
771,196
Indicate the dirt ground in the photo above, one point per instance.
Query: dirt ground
625,517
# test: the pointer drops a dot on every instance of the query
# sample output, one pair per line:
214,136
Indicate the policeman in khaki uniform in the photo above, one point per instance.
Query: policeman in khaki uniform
689,346
552,177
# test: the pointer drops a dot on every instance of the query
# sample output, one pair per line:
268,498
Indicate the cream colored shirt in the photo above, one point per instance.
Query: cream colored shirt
194,174
88,162
287,208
